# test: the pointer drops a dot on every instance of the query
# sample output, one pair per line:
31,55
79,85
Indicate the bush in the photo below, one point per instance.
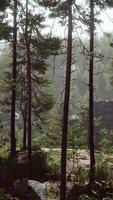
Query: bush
18,166
8,167
4,152
102,171
53,164
43,163
36,145
39,163
81,174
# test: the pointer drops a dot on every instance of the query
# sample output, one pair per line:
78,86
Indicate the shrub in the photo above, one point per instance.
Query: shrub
39,163
53,164
36,145
4,152
8,167
102,171
81,174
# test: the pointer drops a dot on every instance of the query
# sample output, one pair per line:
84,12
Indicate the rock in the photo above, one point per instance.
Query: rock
30,188
39,188
21,187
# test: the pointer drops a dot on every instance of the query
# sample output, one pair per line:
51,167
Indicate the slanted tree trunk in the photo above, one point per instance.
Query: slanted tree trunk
29,88
91,99
13,103
66,105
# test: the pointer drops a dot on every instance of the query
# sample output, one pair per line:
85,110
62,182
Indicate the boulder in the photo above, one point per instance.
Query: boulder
39,188
30,189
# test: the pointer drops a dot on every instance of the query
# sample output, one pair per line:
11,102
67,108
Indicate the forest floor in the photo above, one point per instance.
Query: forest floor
81,159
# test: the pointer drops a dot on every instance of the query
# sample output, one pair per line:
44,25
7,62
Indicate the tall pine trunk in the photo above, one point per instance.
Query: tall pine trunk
66,105
91,95
13,103
29,89
24,116
24,109
25,130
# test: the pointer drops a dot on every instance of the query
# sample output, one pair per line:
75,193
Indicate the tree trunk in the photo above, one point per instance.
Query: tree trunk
29,89
25,132
91,99
13,138
66,105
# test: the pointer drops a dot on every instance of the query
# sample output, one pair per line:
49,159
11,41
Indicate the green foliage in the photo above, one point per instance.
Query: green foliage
109,3
53,163
43,163
39,163
57,8
106,140
41,47
4,4
36,146
77,136
51,138
102,171
44,102
4,152
45,47
86,197
70,154
3,194
5,29
80,174
53,193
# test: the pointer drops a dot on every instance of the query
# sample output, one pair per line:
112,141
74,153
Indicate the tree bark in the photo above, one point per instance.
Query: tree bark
91,95
29,90
24,116
66,105
13,104
25,131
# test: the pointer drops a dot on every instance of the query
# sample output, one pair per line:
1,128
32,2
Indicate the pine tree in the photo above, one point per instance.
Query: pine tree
91,98
66,106
31,42
29,88
5,29
13,103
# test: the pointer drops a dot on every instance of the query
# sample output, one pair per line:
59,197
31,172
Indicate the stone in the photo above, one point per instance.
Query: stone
39,188
30,188
21,187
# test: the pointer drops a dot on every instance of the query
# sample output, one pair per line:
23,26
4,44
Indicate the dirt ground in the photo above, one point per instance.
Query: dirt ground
82,159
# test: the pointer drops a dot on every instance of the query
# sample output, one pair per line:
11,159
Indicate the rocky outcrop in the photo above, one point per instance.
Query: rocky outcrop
30,189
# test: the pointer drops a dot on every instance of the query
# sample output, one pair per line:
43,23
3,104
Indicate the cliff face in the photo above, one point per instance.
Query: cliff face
103,114
103,110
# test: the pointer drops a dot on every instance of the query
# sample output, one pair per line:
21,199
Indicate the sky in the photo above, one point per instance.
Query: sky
107,18
106,25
